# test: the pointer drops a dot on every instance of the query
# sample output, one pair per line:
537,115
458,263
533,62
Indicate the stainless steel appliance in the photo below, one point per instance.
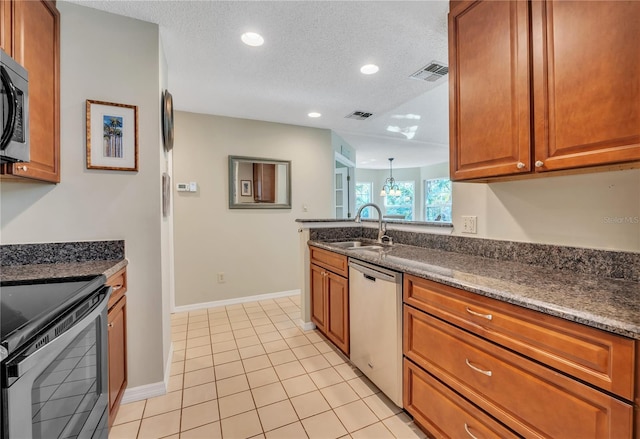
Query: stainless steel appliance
14,111
375,312
54,358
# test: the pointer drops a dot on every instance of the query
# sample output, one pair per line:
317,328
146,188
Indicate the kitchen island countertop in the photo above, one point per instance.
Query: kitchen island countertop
605,303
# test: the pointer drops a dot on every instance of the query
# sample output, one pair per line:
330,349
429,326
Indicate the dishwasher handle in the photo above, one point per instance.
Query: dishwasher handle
373,274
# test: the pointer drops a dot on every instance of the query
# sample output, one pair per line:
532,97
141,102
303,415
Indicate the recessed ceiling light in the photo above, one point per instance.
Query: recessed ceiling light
252,39
314,114
369,69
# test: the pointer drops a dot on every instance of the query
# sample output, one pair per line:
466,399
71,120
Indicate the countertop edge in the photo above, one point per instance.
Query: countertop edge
62,270
119,265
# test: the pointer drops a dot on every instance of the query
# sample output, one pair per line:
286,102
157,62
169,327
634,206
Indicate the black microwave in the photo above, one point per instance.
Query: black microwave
14,111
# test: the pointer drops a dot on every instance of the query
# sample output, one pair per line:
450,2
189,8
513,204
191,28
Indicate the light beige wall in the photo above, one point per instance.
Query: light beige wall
114,59
440,170
599,210
256,249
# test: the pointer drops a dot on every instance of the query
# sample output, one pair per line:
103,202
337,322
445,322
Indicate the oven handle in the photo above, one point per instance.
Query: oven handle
20,368
12,100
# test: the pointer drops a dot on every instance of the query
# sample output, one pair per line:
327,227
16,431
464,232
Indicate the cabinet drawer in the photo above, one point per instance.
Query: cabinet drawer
329,260
118,282
600,358
529,398
444,413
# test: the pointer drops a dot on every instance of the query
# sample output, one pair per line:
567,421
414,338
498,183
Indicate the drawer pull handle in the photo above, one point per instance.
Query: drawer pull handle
484,372
117,287
477,314
466,428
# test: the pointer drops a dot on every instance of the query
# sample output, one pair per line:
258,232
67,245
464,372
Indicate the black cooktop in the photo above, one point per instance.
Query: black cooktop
28,306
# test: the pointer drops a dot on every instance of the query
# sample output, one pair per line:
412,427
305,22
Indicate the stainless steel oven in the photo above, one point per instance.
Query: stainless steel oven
54,376
14,110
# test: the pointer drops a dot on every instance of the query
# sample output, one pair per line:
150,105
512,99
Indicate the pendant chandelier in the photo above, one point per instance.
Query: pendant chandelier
390,187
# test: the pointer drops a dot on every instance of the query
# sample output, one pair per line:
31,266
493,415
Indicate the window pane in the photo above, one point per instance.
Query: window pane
437,200
363,196
403,203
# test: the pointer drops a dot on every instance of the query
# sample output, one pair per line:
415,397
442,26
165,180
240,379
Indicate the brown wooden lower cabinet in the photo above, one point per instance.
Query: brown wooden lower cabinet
443,412
117,341
330,296
533,400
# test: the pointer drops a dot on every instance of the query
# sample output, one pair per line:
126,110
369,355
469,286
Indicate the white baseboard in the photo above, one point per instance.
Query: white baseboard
306,326
216,303
133,394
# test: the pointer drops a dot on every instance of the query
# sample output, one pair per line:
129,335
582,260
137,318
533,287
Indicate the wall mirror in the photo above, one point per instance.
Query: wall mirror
259,183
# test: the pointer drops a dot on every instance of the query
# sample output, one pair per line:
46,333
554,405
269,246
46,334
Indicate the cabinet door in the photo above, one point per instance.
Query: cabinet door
36,45
117,325
338,311
586,72
489,103
318,295
5,26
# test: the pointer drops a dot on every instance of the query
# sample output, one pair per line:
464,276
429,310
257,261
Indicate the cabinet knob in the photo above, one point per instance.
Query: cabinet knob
110,325
520,165
22,168
539,164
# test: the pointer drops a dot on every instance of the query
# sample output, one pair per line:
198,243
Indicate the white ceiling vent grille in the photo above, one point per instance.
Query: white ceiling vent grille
432,72
359,115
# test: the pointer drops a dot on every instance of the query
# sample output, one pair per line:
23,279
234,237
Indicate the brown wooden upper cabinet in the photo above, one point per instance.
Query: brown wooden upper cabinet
30,33
542,86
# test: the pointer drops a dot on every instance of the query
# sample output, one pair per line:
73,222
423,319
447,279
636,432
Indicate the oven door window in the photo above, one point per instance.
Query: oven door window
64,394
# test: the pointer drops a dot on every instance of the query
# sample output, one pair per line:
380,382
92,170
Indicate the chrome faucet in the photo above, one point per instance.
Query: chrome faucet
382,228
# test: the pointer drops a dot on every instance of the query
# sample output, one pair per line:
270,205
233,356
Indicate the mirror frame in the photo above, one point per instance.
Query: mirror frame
234,184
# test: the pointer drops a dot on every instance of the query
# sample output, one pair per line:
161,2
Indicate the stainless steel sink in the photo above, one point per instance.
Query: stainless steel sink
357,245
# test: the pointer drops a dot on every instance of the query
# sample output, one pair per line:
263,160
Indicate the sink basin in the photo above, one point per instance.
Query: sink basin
357,245
350,244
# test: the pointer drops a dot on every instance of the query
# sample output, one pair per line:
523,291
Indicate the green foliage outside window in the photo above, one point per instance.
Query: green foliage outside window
437,200
363,196
403,203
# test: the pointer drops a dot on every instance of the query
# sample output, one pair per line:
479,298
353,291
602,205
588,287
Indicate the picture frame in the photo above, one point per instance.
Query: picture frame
112,136
245,188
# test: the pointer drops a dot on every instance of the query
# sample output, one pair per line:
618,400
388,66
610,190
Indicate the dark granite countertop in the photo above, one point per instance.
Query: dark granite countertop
609,304
61,270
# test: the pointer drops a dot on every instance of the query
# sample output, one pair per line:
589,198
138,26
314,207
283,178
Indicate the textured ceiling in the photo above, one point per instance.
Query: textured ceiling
310,62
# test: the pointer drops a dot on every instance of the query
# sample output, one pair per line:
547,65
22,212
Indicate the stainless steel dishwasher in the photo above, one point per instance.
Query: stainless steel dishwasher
375,312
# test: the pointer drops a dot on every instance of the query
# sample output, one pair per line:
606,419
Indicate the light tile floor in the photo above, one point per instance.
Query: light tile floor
248,371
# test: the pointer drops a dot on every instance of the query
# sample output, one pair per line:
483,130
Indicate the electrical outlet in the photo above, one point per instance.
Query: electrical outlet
469,224
221,278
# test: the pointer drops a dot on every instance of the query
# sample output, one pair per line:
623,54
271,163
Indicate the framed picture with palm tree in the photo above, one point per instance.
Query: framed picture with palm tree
112,136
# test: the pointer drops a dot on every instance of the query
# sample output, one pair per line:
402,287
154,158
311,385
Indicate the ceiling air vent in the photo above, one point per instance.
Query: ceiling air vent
432,72
359,115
